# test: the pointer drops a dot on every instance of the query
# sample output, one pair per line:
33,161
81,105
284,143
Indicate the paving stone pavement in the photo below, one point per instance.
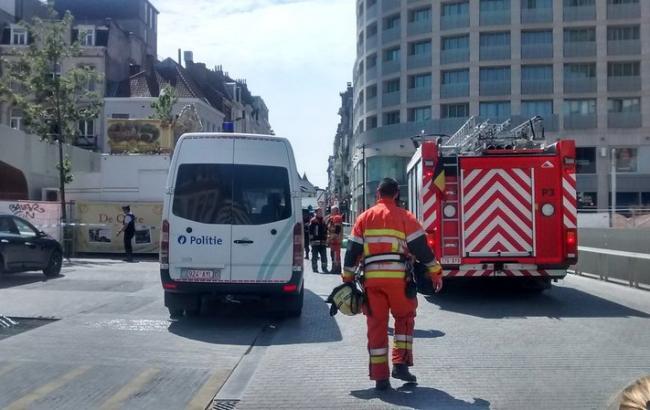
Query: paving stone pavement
573,347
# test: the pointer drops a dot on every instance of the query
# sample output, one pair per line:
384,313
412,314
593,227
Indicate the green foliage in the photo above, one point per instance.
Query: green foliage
67,170
38,80
164,105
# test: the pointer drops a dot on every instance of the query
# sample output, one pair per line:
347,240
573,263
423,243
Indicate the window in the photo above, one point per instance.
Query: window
18,36
120,116
419,114
391,118
87,36
391,22
622,1
578,3
536,4
7,226
87,128
420,48
420,15
579,107
537,72
495,74
16,119
232,194
624,105
532,38
623,33
454,110
25,229
372,91
380,167
56,71
574,35
372,61
455,76
455,42
494,110
90,83
455,9
371,122
626,159
580,70
372,30
495,39
586,160
495,5
420,81
391,86
531,108
624,69
391,54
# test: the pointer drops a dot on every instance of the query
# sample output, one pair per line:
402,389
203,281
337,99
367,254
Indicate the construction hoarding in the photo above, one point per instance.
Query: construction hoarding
138,137
45,216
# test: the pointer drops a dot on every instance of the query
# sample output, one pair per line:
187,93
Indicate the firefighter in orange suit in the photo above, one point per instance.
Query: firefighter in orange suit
335,238
382,239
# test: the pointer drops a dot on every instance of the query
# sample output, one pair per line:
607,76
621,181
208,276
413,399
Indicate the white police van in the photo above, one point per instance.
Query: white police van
232,222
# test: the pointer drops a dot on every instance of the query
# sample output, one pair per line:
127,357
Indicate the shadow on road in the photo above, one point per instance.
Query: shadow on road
418,397
12,280
493,300
227,324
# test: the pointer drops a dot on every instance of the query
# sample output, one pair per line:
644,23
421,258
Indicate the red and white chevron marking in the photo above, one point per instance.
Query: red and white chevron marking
429,207
569,201
497,210
505,273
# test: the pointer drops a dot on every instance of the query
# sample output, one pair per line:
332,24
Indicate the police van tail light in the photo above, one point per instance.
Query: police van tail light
164,246
298,237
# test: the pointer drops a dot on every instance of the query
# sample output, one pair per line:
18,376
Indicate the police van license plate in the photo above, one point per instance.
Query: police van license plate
201,275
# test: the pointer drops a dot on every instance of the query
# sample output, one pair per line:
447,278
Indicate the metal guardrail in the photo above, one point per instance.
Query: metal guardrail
608,264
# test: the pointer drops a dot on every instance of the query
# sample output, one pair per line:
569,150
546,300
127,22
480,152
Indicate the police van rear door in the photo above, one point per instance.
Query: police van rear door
200,214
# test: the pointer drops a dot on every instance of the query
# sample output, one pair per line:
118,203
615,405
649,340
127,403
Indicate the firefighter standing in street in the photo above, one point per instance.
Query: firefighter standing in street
335,238
382,239
318,241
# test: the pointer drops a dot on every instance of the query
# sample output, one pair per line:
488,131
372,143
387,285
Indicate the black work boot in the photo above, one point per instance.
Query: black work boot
382,385
401,371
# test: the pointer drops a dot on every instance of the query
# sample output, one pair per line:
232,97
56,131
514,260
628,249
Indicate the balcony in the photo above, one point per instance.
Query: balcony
536,51
579,13
580,85
580,121
360,49
624,120
533,87
86,141
371,12
389,67
371,104
418,94
418,27
371,73
495,18
417,61
371,42
390,99
387,5
624,84
391,34
623,11
539,15
454,90
490,88
580,49
623,47
456,55
494,53
455,21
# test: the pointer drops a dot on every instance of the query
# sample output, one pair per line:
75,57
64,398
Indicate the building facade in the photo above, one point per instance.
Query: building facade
583,65
339,188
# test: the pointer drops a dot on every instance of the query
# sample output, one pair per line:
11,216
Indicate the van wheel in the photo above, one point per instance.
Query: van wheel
293,304
175,313
53,267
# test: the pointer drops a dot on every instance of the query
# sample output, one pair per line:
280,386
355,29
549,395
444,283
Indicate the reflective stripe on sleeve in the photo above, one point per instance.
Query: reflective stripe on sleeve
355,239
415,235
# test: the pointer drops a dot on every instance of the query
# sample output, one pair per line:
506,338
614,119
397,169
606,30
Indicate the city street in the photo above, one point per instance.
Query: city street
104,340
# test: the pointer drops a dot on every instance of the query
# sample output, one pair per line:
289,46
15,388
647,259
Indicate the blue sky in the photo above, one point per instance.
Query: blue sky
297,54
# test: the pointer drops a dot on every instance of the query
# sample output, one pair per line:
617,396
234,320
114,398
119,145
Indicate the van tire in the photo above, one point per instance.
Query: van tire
175,313
293,304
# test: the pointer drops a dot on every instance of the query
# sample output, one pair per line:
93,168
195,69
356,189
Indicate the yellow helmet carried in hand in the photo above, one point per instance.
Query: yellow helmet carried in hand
347,299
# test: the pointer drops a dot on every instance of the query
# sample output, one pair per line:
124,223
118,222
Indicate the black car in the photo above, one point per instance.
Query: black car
24,248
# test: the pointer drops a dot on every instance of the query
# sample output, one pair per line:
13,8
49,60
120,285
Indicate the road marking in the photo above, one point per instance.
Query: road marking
48,388
6,369
207,392
130,389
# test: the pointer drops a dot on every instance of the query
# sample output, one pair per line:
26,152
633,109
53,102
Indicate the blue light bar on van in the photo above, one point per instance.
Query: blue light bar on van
228,126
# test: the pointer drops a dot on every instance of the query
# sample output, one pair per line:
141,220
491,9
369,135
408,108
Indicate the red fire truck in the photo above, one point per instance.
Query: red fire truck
497,201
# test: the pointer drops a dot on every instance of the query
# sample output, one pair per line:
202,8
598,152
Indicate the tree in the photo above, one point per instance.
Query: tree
53,101
164,105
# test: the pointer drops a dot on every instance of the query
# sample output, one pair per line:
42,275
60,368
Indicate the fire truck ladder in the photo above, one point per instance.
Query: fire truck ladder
475,136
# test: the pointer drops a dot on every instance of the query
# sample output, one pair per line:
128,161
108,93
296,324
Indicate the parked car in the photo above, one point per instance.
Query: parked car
24,248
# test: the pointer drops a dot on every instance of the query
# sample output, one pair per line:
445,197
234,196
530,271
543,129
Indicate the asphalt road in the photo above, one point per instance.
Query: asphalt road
99,337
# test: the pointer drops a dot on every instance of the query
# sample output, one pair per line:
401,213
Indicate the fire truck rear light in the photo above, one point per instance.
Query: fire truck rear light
571,238
548,209
431,241
428,173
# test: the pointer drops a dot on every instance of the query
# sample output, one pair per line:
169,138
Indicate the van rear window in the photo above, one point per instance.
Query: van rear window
232,194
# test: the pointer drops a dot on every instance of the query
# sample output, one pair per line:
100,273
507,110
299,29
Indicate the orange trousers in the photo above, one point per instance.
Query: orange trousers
382,301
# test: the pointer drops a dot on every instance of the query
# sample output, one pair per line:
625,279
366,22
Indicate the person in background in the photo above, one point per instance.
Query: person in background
318,241
306,217
128,227
335,238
